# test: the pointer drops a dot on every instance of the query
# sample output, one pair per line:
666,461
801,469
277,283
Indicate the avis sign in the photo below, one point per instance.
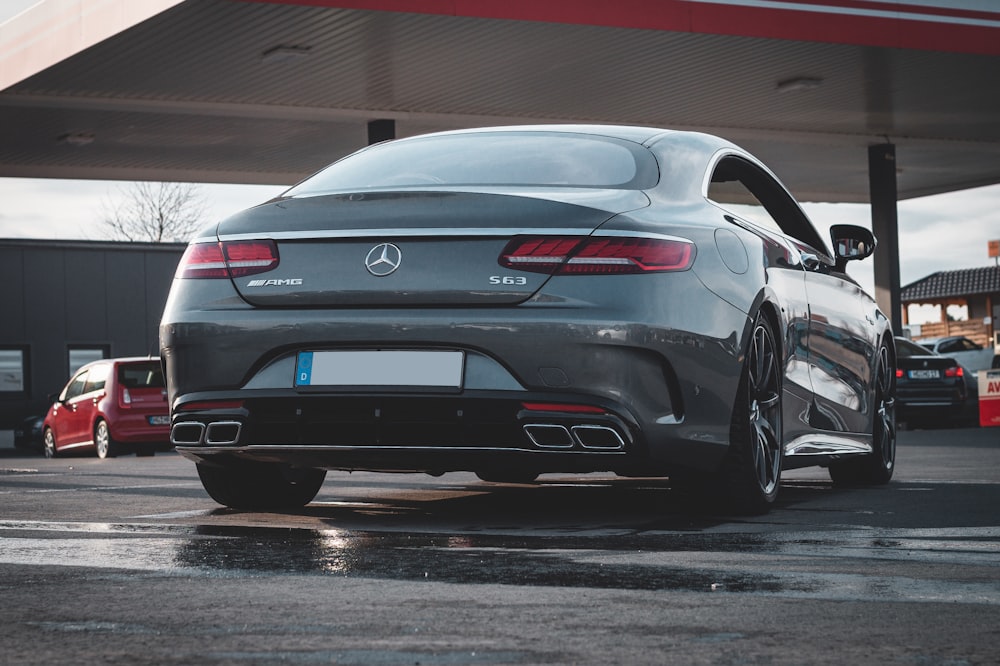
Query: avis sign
989,398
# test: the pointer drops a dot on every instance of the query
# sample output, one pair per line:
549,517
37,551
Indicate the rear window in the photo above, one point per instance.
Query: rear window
141,375
529,159
958,345
905,349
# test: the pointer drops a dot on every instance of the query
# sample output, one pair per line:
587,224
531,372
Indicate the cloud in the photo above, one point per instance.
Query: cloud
942,232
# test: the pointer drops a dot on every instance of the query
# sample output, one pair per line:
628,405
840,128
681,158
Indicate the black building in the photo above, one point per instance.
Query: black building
65,303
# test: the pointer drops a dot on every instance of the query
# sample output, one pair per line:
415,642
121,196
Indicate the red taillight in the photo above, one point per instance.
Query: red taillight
228,259
597,255
202,260
561,407
250,257
540,255
954,372
899,373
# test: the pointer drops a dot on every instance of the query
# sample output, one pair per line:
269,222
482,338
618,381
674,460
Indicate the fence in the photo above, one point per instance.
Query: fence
976,331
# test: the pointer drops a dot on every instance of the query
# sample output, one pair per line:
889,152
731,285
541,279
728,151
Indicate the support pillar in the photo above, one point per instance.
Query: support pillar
380,130
885,226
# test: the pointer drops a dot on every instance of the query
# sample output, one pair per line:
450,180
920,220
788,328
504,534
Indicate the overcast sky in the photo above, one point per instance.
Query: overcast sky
937,233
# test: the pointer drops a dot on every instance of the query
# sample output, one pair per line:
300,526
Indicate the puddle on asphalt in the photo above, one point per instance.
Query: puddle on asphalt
640,561
238,551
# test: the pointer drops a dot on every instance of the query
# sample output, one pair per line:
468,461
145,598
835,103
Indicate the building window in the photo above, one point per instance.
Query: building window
13,370
80,356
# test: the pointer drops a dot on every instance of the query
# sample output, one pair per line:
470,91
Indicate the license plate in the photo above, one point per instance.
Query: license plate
925,374
381,368
159,420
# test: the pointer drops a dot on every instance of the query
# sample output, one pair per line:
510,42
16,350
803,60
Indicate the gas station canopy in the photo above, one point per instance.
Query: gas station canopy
267,92
847,100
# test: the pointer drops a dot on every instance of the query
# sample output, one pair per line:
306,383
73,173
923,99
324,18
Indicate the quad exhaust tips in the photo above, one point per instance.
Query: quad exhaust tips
552,436
216,433
588,436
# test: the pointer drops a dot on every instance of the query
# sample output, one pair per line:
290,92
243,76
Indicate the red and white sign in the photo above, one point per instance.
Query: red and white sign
989,398
962,26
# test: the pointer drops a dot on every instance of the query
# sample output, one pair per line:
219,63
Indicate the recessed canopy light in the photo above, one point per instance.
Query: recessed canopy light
799,83
77,138
285,53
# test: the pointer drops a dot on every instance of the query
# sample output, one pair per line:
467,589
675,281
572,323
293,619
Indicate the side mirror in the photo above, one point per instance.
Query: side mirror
851,243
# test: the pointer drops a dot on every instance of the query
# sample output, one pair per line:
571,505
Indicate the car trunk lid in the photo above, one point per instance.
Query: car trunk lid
410,248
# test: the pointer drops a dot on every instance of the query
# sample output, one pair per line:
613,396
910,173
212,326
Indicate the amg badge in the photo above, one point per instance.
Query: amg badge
288,282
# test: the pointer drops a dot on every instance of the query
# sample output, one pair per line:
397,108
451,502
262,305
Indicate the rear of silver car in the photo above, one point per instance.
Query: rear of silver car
506,330
442,363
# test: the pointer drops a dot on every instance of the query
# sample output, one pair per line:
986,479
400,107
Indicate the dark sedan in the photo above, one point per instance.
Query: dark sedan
932,388
28,434
522,300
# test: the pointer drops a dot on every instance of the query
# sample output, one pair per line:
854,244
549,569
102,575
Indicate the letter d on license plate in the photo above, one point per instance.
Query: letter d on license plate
381,368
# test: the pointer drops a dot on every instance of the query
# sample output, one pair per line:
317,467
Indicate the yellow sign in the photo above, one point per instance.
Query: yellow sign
994,246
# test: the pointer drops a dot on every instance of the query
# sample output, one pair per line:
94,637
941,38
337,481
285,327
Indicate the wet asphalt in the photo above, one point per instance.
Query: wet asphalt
128,561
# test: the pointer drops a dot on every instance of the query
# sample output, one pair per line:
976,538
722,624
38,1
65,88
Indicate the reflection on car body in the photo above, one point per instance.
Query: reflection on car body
562,299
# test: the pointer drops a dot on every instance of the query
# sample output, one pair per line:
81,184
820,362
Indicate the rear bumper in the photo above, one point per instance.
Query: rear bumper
912,399
664,362
431,433
135,428
476,431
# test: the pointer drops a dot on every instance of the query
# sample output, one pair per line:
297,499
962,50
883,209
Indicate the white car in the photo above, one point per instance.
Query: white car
969,354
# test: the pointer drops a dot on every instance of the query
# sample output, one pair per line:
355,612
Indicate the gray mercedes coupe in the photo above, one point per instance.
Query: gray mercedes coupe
520,300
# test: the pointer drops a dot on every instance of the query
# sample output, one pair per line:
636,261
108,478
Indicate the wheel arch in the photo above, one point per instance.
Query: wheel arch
766,305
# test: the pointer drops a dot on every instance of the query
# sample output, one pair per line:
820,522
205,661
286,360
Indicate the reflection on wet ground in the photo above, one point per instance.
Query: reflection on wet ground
573,532
816,565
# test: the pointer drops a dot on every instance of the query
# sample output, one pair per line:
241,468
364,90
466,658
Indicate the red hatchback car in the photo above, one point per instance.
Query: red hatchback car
109,405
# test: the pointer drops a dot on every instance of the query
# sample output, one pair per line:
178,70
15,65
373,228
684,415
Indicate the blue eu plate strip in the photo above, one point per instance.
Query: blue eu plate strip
303,369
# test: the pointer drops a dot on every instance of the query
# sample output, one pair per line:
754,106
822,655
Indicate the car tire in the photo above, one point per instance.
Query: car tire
257,486
751,473
507,476
878,467
105,446
49,443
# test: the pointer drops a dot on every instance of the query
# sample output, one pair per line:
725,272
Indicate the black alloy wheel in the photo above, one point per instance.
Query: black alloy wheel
878,467
752,472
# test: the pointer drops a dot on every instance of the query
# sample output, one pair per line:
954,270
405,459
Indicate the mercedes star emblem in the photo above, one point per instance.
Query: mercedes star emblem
383,259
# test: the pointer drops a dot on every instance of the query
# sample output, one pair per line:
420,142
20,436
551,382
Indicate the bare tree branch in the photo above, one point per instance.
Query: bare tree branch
155,212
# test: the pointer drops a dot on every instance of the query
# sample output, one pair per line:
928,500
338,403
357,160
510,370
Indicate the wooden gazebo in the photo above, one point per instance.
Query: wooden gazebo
976,288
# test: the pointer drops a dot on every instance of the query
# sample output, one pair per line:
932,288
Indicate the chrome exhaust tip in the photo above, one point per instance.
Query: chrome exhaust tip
186,433
549,435
598,437
222,433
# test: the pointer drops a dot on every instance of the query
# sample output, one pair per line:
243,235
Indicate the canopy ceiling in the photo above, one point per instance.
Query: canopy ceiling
267,92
